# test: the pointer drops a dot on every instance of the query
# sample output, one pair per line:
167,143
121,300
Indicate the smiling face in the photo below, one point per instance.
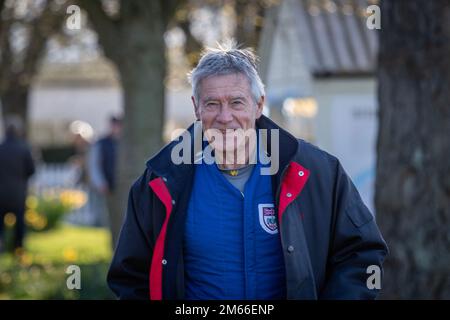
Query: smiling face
226,104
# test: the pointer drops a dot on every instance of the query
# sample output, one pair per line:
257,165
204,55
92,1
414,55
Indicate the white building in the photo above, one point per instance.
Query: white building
88,92
318,61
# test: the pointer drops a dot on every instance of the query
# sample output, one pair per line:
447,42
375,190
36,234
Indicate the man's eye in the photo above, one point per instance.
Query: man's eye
212,104
237,102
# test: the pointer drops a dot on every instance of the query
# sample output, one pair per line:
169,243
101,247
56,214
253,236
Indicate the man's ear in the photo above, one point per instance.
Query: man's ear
196,110
259,107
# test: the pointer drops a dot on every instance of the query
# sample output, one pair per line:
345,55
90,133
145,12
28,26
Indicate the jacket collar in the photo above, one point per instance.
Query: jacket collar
161,164
288,144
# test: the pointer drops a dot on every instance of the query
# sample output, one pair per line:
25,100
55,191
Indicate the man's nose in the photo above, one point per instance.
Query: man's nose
225,115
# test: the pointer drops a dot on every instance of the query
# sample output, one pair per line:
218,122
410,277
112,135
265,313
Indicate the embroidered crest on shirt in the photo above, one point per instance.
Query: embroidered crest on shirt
267,218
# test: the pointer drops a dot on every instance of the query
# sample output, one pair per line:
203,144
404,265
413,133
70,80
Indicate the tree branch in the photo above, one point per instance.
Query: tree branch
2,15
108,29
47,24
6,56
192,46
168,9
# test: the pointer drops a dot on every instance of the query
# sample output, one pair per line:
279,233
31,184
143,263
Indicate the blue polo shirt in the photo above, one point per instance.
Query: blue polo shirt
232,247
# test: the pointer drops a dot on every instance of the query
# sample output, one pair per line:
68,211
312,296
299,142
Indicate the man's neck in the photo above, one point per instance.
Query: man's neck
226,166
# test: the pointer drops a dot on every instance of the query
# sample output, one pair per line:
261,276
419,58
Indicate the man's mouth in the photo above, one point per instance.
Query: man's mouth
228,130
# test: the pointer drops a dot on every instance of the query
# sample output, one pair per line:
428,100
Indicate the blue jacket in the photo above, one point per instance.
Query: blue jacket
232,248
329,238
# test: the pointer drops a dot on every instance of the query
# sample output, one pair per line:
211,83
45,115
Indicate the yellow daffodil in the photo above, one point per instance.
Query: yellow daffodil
10,219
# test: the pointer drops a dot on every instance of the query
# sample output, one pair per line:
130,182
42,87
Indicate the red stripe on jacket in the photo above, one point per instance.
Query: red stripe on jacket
291,186
159,188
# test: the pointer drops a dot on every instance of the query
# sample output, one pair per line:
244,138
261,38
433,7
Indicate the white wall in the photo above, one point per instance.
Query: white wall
66,104
346,126
62,105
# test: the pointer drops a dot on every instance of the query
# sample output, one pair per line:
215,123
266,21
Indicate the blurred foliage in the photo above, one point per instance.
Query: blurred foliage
46,212
39,271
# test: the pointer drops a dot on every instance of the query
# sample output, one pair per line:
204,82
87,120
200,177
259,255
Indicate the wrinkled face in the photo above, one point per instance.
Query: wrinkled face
226,104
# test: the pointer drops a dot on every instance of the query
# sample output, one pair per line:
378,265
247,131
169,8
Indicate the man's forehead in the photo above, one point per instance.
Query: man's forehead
230,86
223,96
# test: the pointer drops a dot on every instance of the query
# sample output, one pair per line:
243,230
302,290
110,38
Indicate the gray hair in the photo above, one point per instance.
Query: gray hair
227,59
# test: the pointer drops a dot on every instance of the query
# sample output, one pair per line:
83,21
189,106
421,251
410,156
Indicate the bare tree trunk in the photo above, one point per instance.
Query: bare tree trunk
143,87
134,42
413,168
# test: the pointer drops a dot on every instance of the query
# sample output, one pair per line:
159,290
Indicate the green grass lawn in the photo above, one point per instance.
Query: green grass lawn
40,271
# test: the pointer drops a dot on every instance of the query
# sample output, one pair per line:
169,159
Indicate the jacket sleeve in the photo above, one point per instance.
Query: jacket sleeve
357,247
128,275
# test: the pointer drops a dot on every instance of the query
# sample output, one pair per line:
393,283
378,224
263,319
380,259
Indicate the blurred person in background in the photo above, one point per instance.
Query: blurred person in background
102,171
80,149
16,167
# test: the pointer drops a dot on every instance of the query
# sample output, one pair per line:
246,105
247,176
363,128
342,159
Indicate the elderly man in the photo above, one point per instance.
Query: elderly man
228,229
